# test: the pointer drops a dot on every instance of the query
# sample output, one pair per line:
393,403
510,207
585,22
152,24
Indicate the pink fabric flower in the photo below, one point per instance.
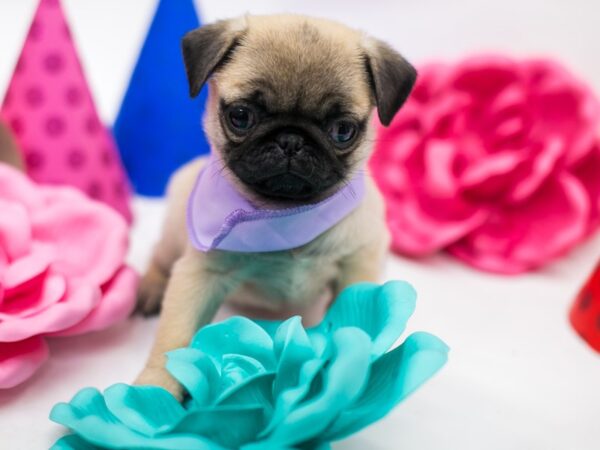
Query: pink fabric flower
495,160
61,270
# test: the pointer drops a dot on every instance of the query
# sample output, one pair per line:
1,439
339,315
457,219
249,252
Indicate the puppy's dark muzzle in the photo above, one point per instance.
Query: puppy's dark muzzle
286,165
287,186
290,143
290,179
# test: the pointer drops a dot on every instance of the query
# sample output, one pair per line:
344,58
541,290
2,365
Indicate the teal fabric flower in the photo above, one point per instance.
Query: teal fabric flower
268,385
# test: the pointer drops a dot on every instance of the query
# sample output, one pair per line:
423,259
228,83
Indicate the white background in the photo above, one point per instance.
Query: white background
518,378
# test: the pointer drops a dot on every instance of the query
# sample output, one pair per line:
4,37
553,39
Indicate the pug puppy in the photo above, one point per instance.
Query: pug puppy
288,117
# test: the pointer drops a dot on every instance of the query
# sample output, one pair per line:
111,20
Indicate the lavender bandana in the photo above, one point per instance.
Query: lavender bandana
220,218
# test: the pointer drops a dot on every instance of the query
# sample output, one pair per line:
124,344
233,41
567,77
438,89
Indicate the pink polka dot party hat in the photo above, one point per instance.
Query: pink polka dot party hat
50,109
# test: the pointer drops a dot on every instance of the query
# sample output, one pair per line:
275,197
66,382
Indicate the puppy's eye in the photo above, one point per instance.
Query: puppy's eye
342,131
241,118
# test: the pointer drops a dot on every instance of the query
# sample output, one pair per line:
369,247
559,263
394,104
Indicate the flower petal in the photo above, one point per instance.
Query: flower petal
30,301
540,167
529,235
416,231
196,372
20,360
563,106
393,377
288,399
350,350
73,442
230,426
74,307
255,390
90,238
147,410
16,187
292,349
116,304
88,416
28,268
484,76
587,173
381,311
236,335
389,162
259,446
439,179
15,229
88,401
490,175
237,370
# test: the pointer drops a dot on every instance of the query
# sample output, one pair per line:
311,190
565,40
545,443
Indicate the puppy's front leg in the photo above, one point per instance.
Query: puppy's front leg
365,264
192,298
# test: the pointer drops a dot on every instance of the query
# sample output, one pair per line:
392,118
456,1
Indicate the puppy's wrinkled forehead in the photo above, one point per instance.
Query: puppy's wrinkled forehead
296,65
306,64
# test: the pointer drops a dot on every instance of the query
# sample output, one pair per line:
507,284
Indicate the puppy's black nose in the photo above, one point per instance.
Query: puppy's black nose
290,143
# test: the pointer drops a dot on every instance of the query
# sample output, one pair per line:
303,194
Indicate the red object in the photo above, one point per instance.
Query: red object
585,313
495,160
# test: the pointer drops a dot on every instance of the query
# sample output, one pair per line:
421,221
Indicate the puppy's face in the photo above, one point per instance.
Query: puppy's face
291,100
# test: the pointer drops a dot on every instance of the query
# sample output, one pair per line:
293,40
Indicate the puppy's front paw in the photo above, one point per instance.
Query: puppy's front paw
150,291
158,376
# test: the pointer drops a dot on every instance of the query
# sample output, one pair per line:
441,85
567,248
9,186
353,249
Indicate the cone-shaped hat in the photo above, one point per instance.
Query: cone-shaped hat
51,112
158,127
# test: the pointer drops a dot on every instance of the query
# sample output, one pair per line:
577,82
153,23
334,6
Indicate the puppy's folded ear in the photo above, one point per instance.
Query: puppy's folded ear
207,47
392,78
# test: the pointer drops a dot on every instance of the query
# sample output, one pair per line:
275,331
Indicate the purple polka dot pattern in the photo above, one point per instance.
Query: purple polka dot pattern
55,126
53,63
34,96
76,158
34,160
107,157
17,126
53,117
35,31
73,96
95,190
92,125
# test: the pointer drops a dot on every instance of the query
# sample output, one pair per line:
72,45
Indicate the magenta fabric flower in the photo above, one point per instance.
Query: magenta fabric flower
495,160
61,270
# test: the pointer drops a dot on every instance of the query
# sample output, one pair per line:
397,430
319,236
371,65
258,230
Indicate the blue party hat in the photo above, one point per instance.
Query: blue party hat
158,127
